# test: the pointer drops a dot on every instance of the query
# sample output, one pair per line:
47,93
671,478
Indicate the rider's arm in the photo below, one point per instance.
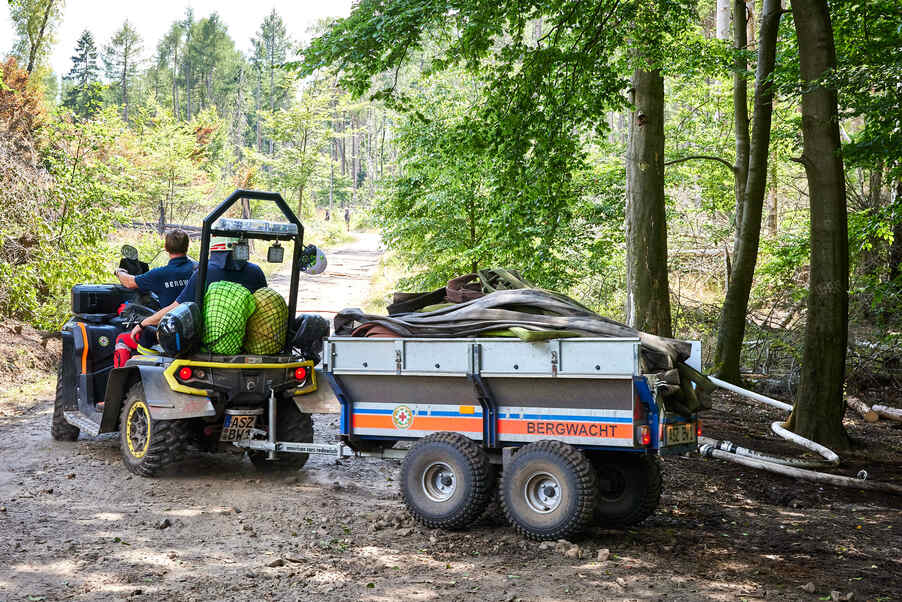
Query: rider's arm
125,278
152,320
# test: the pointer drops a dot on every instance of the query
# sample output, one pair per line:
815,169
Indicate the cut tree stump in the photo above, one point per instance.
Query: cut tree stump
863,409
888,412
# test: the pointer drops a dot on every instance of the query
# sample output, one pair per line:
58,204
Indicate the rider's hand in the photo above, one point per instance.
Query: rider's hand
136,332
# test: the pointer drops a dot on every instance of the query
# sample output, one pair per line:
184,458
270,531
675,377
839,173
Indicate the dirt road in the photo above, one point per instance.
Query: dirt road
74,524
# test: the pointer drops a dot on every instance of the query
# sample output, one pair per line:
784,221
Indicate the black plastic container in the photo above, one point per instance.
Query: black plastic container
99,299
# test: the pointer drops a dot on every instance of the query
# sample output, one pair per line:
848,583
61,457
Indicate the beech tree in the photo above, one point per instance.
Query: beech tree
750,177
820,405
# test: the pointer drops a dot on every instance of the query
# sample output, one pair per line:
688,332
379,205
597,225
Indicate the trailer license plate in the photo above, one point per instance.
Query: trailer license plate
236,428
681,434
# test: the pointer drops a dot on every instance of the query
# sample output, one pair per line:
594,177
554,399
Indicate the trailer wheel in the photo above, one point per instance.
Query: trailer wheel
59,428
446,481
294,426
548,490
147,445
629,488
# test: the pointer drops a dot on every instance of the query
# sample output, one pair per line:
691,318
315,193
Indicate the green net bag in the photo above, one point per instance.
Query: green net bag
227,306
267,327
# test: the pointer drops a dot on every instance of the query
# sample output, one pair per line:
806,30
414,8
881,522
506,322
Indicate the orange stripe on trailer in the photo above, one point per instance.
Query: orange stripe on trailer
84,351
420,423
554,428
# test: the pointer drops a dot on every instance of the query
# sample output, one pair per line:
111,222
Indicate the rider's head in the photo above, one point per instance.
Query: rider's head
176,242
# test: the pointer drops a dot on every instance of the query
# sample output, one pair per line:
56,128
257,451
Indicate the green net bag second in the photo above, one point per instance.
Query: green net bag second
267,327
227,306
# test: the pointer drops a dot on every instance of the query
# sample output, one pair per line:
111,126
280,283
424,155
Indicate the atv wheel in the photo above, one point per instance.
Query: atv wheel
294,426
148,445
59,428
629,488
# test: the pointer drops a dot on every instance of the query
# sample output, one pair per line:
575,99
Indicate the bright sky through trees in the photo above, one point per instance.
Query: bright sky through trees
104,17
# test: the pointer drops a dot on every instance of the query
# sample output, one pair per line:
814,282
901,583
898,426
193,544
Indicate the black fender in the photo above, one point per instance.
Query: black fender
164,403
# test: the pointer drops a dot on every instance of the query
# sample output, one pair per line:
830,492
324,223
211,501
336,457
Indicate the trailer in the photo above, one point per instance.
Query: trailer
560,432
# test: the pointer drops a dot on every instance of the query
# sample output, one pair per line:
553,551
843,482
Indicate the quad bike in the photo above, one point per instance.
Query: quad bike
164,405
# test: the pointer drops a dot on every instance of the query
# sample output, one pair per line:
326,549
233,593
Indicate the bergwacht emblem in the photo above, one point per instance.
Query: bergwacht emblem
402,417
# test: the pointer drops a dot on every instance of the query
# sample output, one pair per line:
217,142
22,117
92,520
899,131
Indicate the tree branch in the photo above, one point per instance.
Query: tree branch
708,157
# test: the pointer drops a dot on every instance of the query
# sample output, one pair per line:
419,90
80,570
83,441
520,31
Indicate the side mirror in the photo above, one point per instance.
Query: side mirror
313,260
129,252
275,254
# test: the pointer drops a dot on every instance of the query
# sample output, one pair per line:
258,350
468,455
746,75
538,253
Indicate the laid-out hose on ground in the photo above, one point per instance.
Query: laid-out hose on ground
727,450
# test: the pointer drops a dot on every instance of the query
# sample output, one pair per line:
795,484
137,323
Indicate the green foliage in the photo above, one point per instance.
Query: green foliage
55,222
301,132
35,23
121,59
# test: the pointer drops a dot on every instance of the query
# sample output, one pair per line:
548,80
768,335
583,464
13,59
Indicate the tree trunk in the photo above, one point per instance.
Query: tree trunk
722,24
731,327
819,408
740,113
648,292
895,249
774,207
35,45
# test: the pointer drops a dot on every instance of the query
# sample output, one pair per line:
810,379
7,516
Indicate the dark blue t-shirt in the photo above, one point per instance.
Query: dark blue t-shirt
250,277
167,281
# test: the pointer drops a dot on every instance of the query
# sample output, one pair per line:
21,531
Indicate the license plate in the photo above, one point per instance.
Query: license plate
236,428
681,434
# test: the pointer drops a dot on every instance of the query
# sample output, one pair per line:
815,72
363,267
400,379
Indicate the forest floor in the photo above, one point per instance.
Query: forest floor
76,525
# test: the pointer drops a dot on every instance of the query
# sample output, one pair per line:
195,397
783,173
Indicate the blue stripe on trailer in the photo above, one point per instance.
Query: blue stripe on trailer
455,414
372,411
580,418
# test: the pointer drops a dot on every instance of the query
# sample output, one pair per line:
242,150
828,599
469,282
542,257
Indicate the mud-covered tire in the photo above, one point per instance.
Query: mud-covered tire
629,488
294,426
59,428
548,491
446,481
147,445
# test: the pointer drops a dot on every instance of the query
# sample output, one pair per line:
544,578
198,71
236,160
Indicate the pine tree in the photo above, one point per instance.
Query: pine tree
82,96
121,57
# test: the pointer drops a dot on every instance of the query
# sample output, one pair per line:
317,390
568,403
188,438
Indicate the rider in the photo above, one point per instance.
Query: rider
166,281
222,266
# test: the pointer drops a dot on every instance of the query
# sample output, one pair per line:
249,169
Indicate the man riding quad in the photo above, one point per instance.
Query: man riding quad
165,282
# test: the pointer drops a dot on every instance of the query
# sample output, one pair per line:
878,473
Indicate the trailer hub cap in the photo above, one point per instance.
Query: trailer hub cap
542,492
439,482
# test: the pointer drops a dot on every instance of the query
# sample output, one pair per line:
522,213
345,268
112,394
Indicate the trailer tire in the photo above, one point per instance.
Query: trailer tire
59,428
446,481
294,426
147,445
629,488
548,490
